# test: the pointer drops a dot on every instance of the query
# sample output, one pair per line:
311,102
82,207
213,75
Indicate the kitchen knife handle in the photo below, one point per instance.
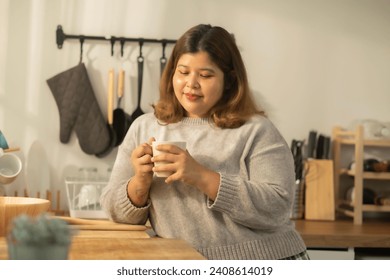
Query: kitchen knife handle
326,147
311,143
320,147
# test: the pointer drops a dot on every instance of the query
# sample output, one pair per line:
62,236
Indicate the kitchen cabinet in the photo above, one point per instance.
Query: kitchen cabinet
355,138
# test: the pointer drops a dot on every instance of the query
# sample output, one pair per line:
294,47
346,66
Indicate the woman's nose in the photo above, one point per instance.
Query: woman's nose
192,81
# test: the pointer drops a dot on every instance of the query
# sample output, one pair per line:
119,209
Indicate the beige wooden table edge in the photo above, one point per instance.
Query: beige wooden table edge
132,249
123,248
341,233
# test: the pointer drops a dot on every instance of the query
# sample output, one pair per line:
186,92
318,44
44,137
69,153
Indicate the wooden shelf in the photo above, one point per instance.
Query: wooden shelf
365,207
375,208
355,138
368,143
367,175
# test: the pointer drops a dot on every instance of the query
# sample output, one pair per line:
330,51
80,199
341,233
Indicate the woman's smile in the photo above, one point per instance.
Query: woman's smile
192,97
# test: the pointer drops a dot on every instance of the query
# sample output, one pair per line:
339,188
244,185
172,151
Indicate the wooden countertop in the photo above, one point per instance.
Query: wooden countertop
344,234
137,244
132,249
122,245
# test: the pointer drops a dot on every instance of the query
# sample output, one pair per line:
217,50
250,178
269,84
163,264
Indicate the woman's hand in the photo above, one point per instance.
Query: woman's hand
138,187
186,169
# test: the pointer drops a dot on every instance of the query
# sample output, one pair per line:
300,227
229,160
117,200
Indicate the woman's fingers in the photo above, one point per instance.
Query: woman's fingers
142,158
142,150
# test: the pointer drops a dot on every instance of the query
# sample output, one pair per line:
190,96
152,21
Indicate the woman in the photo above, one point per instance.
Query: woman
231,190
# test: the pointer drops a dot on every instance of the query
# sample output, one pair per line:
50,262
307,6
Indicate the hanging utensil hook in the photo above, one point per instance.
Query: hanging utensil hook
60,36
113,39
122,40
140,57
138,111
82,39
164,44
163,59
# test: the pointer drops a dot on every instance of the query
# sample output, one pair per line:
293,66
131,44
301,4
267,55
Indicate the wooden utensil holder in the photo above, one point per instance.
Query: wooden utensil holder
319,190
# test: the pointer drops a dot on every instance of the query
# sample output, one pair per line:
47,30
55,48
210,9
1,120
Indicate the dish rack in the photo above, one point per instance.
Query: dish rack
84,198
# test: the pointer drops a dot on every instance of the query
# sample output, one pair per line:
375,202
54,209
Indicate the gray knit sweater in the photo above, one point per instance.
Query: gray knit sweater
249,219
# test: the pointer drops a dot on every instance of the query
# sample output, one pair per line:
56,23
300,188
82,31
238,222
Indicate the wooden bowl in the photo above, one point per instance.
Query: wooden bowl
11,207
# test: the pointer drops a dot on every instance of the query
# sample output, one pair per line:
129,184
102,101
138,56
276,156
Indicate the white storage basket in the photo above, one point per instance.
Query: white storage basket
83,198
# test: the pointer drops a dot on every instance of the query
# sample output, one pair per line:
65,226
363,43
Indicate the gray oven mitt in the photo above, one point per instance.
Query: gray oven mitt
79,109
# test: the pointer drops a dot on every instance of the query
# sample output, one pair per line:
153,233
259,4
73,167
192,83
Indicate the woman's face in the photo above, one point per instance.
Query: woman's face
198,83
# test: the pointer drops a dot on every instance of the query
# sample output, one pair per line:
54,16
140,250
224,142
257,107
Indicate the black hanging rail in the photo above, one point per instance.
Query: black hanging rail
61,37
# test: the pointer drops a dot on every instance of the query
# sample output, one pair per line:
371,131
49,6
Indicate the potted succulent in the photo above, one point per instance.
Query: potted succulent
39,238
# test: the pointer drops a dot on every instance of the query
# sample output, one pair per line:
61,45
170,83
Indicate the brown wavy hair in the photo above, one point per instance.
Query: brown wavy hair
236,105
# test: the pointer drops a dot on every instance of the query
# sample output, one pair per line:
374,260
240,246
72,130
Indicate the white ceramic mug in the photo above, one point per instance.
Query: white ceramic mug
10,167
181,144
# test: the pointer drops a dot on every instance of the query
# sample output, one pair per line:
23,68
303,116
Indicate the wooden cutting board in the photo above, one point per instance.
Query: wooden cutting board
87,224
112,234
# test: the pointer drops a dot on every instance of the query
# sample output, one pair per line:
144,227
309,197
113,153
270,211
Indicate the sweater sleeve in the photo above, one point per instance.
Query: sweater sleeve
261,195
120,209
114,198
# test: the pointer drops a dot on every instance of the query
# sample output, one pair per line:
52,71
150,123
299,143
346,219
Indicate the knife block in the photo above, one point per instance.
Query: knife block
319,190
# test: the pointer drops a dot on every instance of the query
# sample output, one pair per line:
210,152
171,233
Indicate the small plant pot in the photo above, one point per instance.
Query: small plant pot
39,238
34,252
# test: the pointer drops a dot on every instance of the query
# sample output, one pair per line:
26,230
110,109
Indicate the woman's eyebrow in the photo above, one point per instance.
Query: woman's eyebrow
207,69
210,69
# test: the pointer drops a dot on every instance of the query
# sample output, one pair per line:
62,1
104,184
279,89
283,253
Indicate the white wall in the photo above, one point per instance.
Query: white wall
312,64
